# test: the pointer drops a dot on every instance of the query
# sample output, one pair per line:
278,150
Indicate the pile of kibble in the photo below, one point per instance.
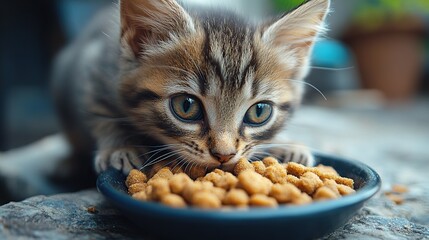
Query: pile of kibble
265,183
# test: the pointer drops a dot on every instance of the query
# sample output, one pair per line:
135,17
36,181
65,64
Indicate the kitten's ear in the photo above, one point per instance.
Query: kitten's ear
298,29
145,22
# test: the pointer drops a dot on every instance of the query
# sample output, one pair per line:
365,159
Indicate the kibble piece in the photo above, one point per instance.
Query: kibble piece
259,167
178,182
242,165
236,197
206,199
309,182
397,199
276,173
160,188
260,200
396,194
193,187
292,179
254,183
324,193
189,190
142,196
340,180
345,181
397,188
212,177
331,184
269,161
260,183
136,187
173,200
345,190
296,169
284,193
302,199
219,192
148,192
164,173
219,171
92,209
327,169
135,176
207,185
154,169
227,181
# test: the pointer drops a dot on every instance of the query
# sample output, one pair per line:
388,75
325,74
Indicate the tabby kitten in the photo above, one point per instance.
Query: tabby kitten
186,87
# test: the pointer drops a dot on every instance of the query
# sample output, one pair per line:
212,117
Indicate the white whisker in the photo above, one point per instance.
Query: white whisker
179,160
185,160
186,166
332,69
308,84
169,162
161,158
158,150
107,35
157,146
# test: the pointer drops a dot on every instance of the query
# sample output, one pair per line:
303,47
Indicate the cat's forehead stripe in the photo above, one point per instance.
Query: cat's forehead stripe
228,49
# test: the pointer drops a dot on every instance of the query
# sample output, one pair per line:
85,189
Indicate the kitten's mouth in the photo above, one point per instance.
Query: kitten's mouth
228,166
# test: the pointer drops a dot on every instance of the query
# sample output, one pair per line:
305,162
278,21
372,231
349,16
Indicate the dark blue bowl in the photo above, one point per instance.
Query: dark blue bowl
284,222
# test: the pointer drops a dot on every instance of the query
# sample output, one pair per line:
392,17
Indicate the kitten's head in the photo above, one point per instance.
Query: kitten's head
209,83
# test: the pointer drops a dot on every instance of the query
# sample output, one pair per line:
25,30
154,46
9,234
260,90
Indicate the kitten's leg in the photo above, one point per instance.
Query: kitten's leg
123,159
292,153
116,148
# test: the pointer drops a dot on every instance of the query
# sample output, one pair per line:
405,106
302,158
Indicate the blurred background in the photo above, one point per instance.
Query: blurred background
376,53
374,57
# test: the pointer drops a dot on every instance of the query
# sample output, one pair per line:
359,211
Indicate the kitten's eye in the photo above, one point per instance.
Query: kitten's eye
258,114
186,108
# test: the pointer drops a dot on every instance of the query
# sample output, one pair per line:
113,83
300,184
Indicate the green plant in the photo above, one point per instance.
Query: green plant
371,14
286,5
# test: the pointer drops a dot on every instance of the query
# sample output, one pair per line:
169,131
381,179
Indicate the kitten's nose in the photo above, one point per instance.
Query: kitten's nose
223,158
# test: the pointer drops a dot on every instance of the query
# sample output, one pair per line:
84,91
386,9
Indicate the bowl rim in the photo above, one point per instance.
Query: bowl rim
371,187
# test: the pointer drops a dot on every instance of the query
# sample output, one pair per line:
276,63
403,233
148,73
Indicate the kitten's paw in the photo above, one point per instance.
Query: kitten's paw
298,154
121,159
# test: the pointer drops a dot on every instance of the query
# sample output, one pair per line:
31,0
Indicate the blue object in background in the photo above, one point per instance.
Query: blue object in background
331,54
332,69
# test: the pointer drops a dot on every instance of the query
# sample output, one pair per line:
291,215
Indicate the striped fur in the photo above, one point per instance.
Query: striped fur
221,59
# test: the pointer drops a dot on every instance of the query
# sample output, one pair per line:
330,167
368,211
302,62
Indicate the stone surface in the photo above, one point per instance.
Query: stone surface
392,141
64,216
383,219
